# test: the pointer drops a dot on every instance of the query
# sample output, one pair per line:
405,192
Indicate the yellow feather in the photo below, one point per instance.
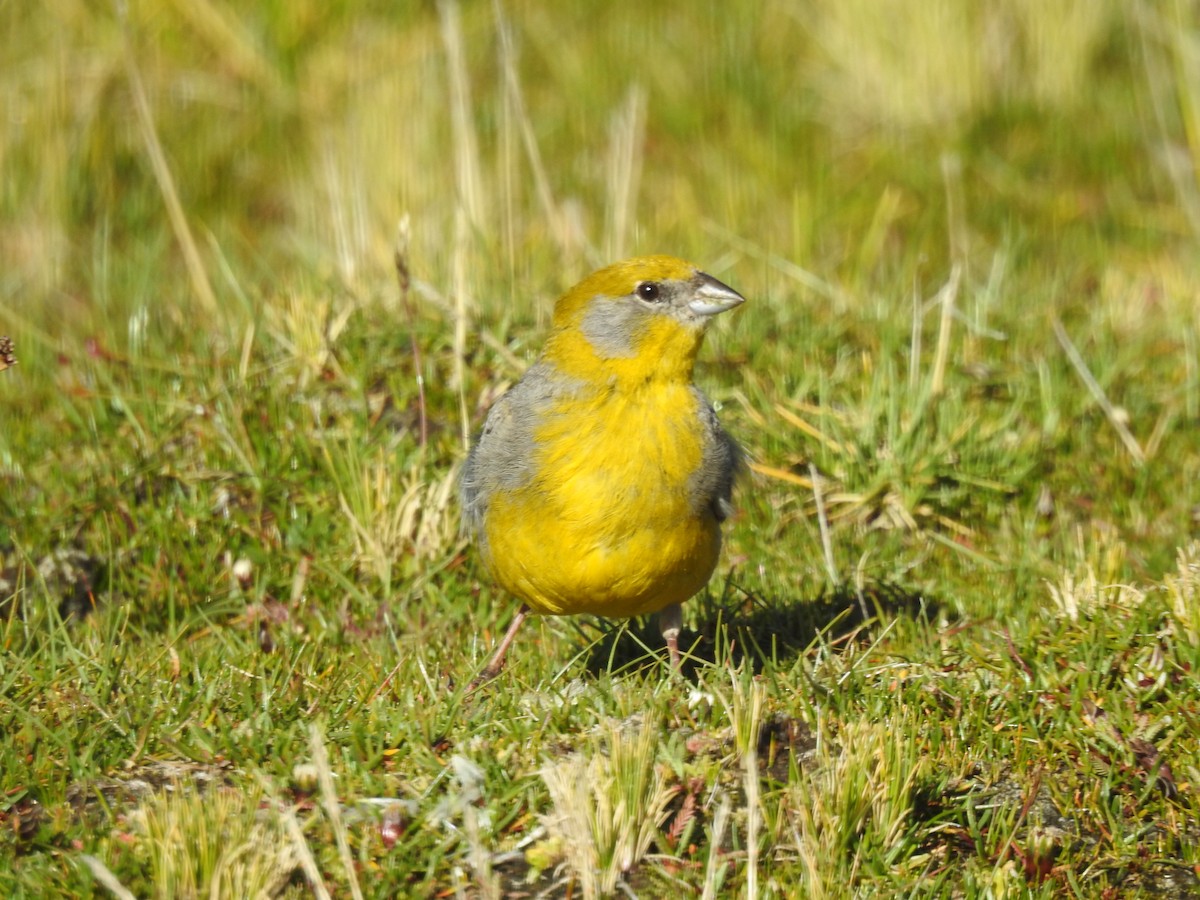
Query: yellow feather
606,527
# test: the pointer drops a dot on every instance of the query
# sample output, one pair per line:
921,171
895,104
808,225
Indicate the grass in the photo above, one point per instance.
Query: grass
952,647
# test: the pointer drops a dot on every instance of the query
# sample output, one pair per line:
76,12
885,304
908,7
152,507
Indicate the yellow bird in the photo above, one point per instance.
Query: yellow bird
600,481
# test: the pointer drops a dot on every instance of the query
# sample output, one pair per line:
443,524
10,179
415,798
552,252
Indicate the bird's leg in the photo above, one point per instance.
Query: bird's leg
670,620
492,669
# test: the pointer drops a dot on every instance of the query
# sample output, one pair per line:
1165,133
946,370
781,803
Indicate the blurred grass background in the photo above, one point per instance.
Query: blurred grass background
235,435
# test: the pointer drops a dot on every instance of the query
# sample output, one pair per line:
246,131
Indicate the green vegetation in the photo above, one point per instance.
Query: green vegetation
953,647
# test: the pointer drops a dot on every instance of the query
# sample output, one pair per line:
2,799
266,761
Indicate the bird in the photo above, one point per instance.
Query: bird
600,480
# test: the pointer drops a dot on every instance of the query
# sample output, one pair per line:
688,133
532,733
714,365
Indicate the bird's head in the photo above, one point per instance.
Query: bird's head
639,320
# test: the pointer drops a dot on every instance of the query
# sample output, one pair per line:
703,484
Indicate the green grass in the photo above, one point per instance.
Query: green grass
952,648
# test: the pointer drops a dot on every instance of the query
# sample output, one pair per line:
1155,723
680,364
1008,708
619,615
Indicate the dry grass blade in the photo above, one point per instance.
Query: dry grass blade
823,523
720,823
343,182
468,170
782,475
469,212
1097,392
559,228
811,430
162,174
947,297
403,243
956,219
333,808
308,863
626,135
104,875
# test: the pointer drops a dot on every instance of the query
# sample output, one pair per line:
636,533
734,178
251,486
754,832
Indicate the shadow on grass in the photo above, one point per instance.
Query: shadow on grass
66,575
741,627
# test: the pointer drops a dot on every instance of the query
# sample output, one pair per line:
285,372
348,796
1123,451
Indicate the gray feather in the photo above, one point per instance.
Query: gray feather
506,442
711,486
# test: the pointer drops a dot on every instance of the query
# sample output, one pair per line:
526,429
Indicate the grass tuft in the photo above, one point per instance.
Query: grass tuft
219,844
606,809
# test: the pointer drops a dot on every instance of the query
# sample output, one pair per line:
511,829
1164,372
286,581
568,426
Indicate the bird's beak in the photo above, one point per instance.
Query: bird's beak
712,297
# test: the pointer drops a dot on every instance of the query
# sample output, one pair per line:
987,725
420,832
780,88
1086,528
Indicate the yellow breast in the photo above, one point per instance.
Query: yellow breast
606,524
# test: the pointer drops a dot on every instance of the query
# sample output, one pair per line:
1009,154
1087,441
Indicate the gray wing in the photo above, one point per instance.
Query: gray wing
712,484
502,457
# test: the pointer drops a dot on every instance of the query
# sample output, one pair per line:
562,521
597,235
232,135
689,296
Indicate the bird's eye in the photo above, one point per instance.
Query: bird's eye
648,290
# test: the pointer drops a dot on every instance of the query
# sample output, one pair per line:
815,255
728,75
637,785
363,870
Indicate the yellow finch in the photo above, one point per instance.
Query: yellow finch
600,481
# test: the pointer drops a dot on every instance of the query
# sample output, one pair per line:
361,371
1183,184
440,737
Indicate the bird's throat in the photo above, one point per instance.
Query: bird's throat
664,353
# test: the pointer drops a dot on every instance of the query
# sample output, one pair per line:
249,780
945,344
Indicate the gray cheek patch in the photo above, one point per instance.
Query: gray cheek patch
608,326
